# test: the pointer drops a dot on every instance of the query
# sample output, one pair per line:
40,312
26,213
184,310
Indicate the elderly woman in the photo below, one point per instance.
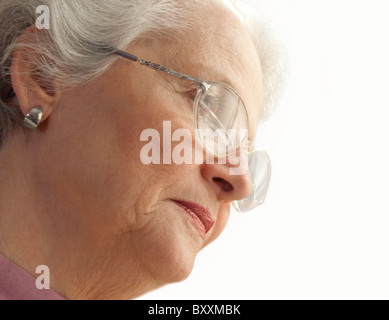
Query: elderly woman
88,208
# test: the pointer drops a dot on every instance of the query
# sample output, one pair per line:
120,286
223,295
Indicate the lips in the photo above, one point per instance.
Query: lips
200,215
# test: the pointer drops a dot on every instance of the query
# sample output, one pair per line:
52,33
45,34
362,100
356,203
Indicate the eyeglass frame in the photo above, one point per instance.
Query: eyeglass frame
204,85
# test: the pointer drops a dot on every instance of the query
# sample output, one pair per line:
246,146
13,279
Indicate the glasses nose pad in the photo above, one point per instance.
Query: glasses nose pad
260,171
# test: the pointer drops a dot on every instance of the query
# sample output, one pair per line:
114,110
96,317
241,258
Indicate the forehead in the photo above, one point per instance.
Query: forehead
219,48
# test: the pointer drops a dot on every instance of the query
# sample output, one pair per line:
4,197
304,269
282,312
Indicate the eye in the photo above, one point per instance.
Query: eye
191,97
208,102
211,103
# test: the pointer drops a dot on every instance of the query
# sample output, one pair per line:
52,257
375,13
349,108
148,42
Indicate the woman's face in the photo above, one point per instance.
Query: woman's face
116,221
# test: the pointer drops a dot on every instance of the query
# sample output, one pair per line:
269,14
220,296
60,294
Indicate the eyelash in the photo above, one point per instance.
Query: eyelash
190,97
192,94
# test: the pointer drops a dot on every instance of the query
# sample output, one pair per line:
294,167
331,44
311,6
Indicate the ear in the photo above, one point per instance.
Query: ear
29,84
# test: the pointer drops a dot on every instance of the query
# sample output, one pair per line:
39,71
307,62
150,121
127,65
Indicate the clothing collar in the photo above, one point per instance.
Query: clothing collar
16,284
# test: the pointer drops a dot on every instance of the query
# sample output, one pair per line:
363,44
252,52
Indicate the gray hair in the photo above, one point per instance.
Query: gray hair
76,48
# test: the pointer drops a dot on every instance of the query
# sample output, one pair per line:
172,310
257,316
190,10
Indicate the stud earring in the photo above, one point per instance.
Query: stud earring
33,118
11,93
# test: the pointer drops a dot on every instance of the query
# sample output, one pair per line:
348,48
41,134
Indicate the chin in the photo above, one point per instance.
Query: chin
174,264
169,258
179,271
167,246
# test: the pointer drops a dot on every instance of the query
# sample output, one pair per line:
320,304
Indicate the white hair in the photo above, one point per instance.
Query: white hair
76,47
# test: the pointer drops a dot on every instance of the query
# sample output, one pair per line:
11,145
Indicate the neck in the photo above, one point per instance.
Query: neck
19,222
36,228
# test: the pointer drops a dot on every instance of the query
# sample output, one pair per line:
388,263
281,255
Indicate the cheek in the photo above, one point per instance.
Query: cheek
91,162
101,169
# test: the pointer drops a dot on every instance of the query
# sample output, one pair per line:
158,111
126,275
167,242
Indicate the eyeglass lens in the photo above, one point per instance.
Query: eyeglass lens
260,172
221,118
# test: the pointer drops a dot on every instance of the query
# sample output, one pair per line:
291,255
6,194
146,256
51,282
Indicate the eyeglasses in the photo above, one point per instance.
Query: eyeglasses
221,123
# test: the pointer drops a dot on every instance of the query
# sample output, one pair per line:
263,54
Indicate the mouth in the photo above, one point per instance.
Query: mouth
200,215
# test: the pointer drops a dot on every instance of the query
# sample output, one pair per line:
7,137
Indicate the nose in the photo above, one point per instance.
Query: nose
228,182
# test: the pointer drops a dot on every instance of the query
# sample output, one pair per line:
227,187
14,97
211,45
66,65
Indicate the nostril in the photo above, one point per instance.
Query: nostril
225,185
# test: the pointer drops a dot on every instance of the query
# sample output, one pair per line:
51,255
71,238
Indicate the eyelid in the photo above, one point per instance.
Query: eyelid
192,93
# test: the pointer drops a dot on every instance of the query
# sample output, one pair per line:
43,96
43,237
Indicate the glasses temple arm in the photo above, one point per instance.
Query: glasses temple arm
155,66
126,55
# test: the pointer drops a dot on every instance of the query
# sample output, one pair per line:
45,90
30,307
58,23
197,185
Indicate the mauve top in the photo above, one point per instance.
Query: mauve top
16,284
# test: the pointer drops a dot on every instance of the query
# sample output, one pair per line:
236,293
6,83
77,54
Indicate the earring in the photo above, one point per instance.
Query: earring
33,118
11,93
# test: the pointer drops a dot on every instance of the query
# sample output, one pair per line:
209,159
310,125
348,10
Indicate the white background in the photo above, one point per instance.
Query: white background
323,232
